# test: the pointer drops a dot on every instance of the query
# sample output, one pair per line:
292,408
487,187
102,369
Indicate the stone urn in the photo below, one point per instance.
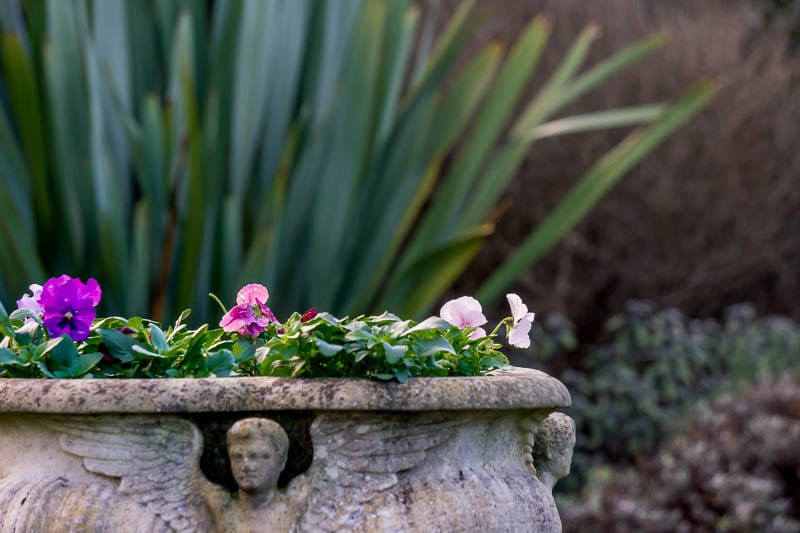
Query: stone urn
283,454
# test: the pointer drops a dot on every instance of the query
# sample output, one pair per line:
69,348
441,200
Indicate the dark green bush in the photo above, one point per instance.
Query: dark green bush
735,467
629,395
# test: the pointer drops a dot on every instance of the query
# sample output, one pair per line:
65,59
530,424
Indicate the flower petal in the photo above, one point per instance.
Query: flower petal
30,303
519,335
267,313
36,291
92,291
518,309
252,294
463,312
477,334
235,319
241,319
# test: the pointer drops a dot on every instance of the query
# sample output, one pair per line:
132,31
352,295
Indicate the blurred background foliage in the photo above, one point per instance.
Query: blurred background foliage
733,467
712,217
631,393
326,149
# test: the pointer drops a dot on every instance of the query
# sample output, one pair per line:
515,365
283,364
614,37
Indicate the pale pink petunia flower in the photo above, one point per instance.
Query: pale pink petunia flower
31,302
519,335
465,312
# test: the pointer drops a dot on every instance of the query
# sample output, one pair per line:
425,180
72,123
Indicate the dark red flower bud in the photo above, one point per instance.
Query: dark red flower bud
308,315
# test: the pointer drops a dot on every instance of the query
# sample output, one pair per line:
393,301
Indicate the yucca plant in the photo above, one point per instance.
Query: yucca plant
172,148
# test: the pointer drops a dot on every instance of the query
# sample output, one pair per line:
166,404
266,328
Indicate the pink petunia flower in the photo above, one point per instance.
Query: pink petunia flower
250,316
519,335
244,321
252,294
465,312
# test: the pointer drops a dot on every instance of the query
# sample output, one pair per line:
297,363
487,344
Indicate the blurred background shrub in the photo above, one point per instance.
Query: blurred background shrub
176,148
734,467
631,394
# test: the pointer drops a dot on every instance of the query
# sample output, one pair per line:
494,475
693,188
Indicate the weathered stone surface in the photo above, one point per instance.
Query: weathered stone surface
446,454
520,388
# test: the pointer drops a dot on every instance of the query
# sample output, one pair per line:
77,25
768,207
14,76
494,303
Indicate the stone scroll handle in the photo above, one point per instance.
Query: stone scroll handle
553,442
356,458
156,459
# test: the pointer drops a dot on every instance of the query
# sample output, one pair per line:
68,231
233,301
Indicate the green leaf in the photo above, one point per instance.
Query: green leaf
326,348
503,96
393,353
430,323
402,374
601,177
452,39
244,351
83,364
7,357
158,339
463,97
142,351
600,120
359,332
328,318
549,97
65,73
418,287
26,103
5,323
64,361
429,347
119,345
251,89
220,363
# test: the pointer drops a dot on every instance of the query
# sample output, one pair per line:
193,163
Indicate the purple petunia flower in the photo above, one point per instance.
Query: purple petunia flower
69,306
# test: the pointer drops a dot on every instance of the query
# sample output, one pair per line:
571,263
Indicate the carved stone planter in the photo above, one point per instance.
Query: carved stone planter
433,454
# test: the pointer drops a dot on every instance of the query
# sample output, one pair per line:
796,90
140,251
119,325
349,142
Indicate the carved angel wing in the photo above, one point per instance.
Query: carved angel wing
357,457
155,458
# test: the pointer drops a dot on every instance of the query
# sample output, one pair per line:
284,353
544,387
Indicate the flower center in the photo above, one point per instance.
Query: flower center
68,315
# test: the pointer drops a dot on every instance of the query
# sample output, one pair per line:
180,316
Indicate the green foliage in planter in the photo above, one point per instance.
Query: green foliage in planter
733,467
382,347
118,347
171,149
630,394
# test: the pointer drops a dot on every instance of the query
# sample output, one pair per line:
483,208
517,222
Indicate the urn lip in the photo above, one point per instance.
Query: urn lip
506,389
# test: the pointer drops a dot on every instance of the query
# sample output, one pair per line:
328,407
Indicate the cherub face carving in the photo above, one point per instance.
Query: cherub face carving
553,446
258,449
